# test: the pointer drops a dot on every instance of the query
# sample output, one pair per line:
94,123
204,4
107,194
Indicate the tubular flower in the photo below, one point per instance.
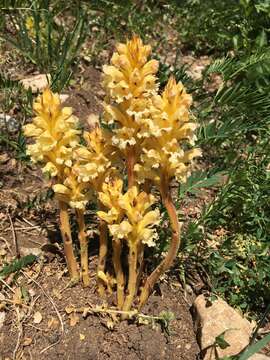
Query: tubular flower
109,197
164,151
131,75
134,222
72,192
141,221
55,131
130,83
92,161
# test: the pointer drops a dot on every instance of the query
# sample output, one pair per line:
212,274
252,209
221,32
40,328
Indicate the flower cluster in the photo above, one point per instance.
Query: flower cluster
55,131
129,216
109,196
158,124
164,152
93,160
130,82
72,192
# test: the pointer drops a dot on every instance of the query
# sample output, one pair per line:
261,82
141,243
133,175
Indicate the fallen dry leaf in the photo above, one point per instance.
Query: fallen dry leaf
73,319
32,292
3,252
3,157
27,341
53,323
82,337
17,296
64,97
30,251
92,120
37,317
57,294
69,309
2,318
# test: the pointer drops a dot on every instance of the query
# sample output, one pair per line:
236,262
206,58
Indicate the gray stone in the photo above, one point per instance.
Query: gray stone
9,124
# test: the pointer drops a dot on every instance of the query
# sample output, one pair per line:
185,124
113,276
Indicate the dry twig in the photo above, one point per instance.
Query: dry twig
14,236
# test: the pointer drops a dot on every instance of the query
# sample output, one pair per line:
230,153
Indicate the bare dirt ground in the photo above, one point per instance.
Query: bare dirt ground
47,327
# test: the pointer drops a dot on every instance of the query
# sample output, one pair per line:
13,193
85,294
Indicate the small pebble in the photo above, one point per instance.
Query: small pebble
9,124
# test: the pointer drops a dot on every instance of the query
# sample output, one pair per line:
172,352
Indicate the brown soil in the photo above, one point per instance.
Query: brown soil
87,95
91,337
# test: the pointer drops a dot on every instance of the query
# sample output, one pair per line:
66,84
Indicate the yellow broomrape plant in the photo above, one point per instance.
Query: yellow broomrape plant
93,164
148,134
129,82
129,220
165,157
55,132
76,194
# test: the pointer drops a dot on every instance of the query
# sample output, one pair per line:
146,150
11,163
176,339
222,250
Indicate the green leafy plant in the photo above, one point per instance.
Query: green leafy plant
17,265
11,135
35,32
209,26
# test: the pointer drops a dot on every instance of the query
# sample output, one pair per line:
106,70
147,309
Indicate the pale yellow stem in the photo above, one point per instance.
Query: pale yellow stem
83,248
67,241
132,280
103,249
174,246
140,263
120,278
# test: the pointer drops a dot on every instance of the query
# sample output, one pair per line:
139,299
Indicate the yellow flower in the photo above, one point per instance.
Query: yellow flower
131,74
141,220
130,83
171,131
109,197
72,192
120,231
55,131
31,29
30,26
129,216
92,161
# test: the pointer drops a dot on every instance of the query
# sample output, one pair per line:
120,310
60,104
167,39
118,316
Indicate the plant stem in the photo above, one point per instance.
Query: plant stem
103,249
147,186
140,263
120,279
147,189
175,241
83,248
67,240
132,280
130,166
